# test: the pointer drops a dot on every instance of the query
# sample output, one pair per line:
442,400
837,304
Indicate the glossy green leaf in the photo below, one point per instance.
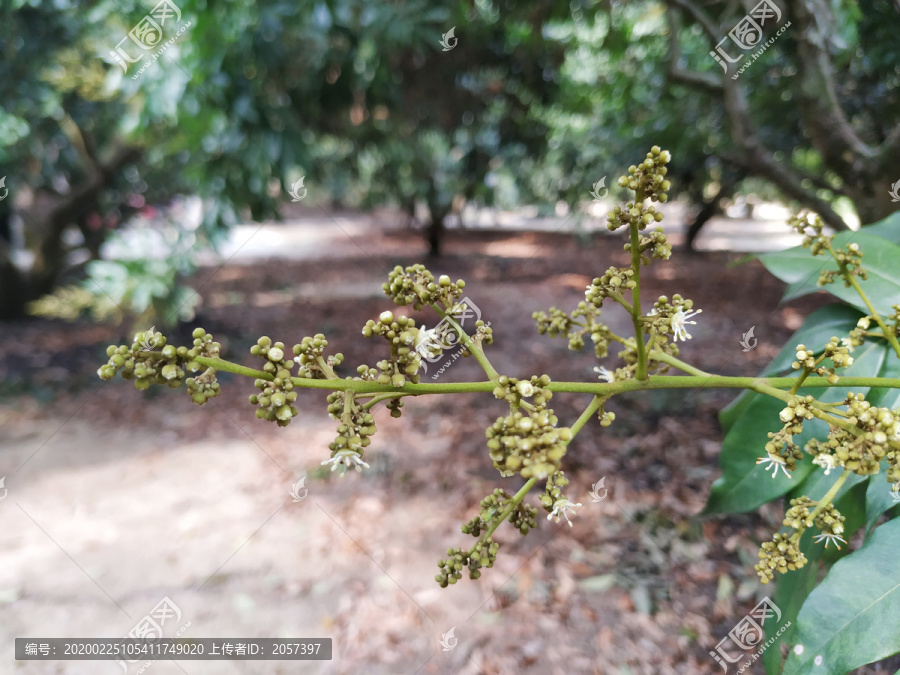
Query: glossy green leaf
851,618
889,228
879,498
881,260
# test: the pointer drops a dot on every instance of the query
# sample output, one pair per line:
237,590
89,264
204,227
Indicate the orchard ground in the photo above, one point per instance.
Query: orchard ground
117,498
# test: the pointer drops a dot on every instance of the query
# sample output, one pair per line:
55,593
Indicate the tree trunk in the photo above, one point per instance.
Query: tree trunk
13,287
709,209
437,213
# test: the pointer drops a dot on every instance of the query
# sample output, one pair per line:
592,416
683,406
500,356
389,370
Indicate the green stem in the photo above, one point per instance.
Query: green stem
475,349
641,373
378,398
772,386
326,368
851,279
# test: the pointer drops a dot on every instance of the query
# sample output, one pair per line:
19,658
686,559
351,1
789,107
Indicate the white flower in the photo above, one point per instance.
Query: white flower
525,388
348,458
605,374
560,506
829,538
828,462
848,343
428,343
776,462
680,320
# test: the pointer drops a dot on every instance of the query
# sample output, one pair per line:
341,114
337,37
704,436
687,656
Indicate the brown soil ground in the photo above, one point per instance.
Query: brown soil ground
119,498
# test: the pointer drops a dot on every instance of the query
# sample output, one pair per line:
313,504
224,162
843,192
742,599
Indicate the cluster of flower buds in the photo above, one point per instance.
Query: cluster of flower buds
354,431
416,286
837,350
514,390
483,334
781,451
559,323
276,402
149,360
895,317
203,387
310,355
862,452
646,180
523,517
849,258
816,242
779,555
613,282
527,443
783,552
402,336
483,554
554,501
655,242
830,521
672,318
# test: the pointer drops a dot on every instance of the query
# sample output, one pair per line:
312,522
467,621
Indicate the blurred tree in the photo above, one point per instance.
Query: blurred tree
816,116
248,97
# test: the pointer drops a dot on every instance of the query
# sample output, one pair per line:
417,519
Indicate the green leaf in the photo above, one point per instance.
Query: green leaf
889,228
881,260
878,499
818,329
851,618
